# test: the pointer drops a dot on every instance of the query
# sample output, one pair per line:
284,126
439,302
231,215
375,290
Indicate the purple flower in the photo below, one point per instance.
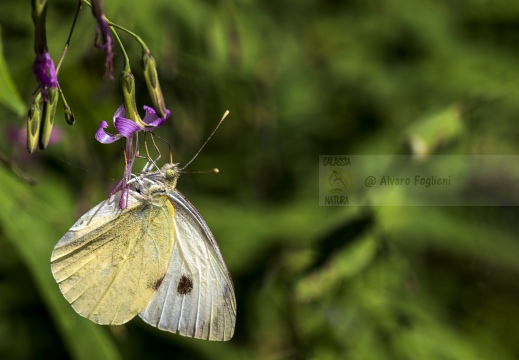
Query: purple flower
103,32
45,72
126,128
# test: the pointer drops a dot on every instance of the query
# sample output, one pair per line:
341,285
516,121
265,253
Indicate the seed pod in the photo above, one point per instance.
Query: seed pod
34,122
149,67
127,82
49,111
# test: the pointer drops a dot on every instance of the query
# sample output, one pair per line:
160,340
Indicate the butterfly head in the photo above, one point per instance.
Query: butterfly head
171,173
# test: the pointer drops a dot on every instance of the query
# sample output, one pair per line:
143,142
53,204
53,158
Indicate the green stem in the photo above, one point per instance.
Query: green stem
67,44
137,37
39,12
126,60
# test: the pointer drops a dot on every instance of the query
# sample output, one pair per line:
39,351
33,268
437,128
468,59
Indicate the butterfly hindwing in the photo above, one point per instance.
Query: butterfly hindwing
196,298
110,264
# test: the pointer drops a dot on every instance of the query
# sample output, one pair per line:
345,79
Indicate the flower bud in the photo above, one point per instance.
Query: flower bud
149,67
127,82
69,116
49,112
33,123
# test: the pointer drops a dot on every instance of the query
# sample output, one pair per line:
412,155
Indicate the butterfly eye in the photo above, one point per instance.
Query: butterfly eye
171,174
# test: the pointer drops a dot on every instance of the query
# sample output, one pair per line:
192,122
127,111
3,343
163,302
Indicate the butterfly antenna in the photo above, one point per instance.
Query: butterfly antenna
215,171
209,138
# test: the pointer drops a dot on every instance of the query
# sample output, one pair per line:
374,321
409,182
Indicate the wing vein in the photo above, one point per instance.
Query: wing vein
80,247
167,292
199,293
118,271
66,256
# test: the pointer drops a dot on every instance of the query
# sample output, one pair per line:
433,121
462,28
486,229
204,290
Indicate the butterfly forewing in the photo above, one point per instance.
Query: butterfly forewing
196,298
110,264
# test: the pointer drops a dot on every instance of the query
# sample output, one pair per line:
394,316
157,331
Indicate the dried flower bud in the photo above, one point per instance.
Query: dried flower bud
45,73
103,39
149,67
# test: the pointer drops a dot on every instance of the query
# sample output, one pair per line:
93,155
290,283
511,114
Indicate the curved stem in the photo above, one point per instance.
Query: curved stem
126,60
137,37
67,44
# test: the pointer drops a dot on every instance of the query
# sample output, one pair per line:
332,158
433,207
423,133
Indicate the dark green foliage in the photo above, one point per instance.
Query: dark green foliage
301,79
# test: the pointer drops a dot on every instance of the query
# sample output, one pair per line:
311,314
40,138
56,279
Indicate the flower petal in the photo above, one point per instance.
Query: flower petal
152,119
120,112
126,127
103,137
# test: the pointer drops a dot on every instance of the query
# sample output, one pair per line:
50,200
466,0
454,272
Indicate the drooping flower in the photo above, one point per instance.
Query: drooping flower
126,128
103,33
45,72
103,38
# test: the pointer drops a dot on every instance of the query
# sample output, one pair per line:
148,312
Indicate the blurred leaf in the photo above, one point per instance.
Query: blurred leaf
300,79
345,264
9,95
452,231
28,217
427,134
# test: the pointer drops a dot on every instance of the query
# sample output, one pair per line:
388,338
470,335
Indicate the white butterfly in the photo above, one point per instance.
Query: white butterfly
156,258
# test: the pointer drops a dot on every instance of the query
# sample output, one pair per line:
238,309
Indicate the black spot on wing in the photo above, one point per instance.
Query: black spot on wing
185,285
157,283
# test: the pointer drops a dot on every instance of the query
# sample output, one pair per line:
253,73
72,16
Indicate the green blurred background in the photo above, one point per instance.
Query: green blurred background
301,79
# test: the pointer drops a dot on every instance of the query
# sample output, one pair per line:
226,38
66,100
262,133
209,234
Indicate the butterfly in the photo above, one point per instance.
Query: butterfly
157,258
